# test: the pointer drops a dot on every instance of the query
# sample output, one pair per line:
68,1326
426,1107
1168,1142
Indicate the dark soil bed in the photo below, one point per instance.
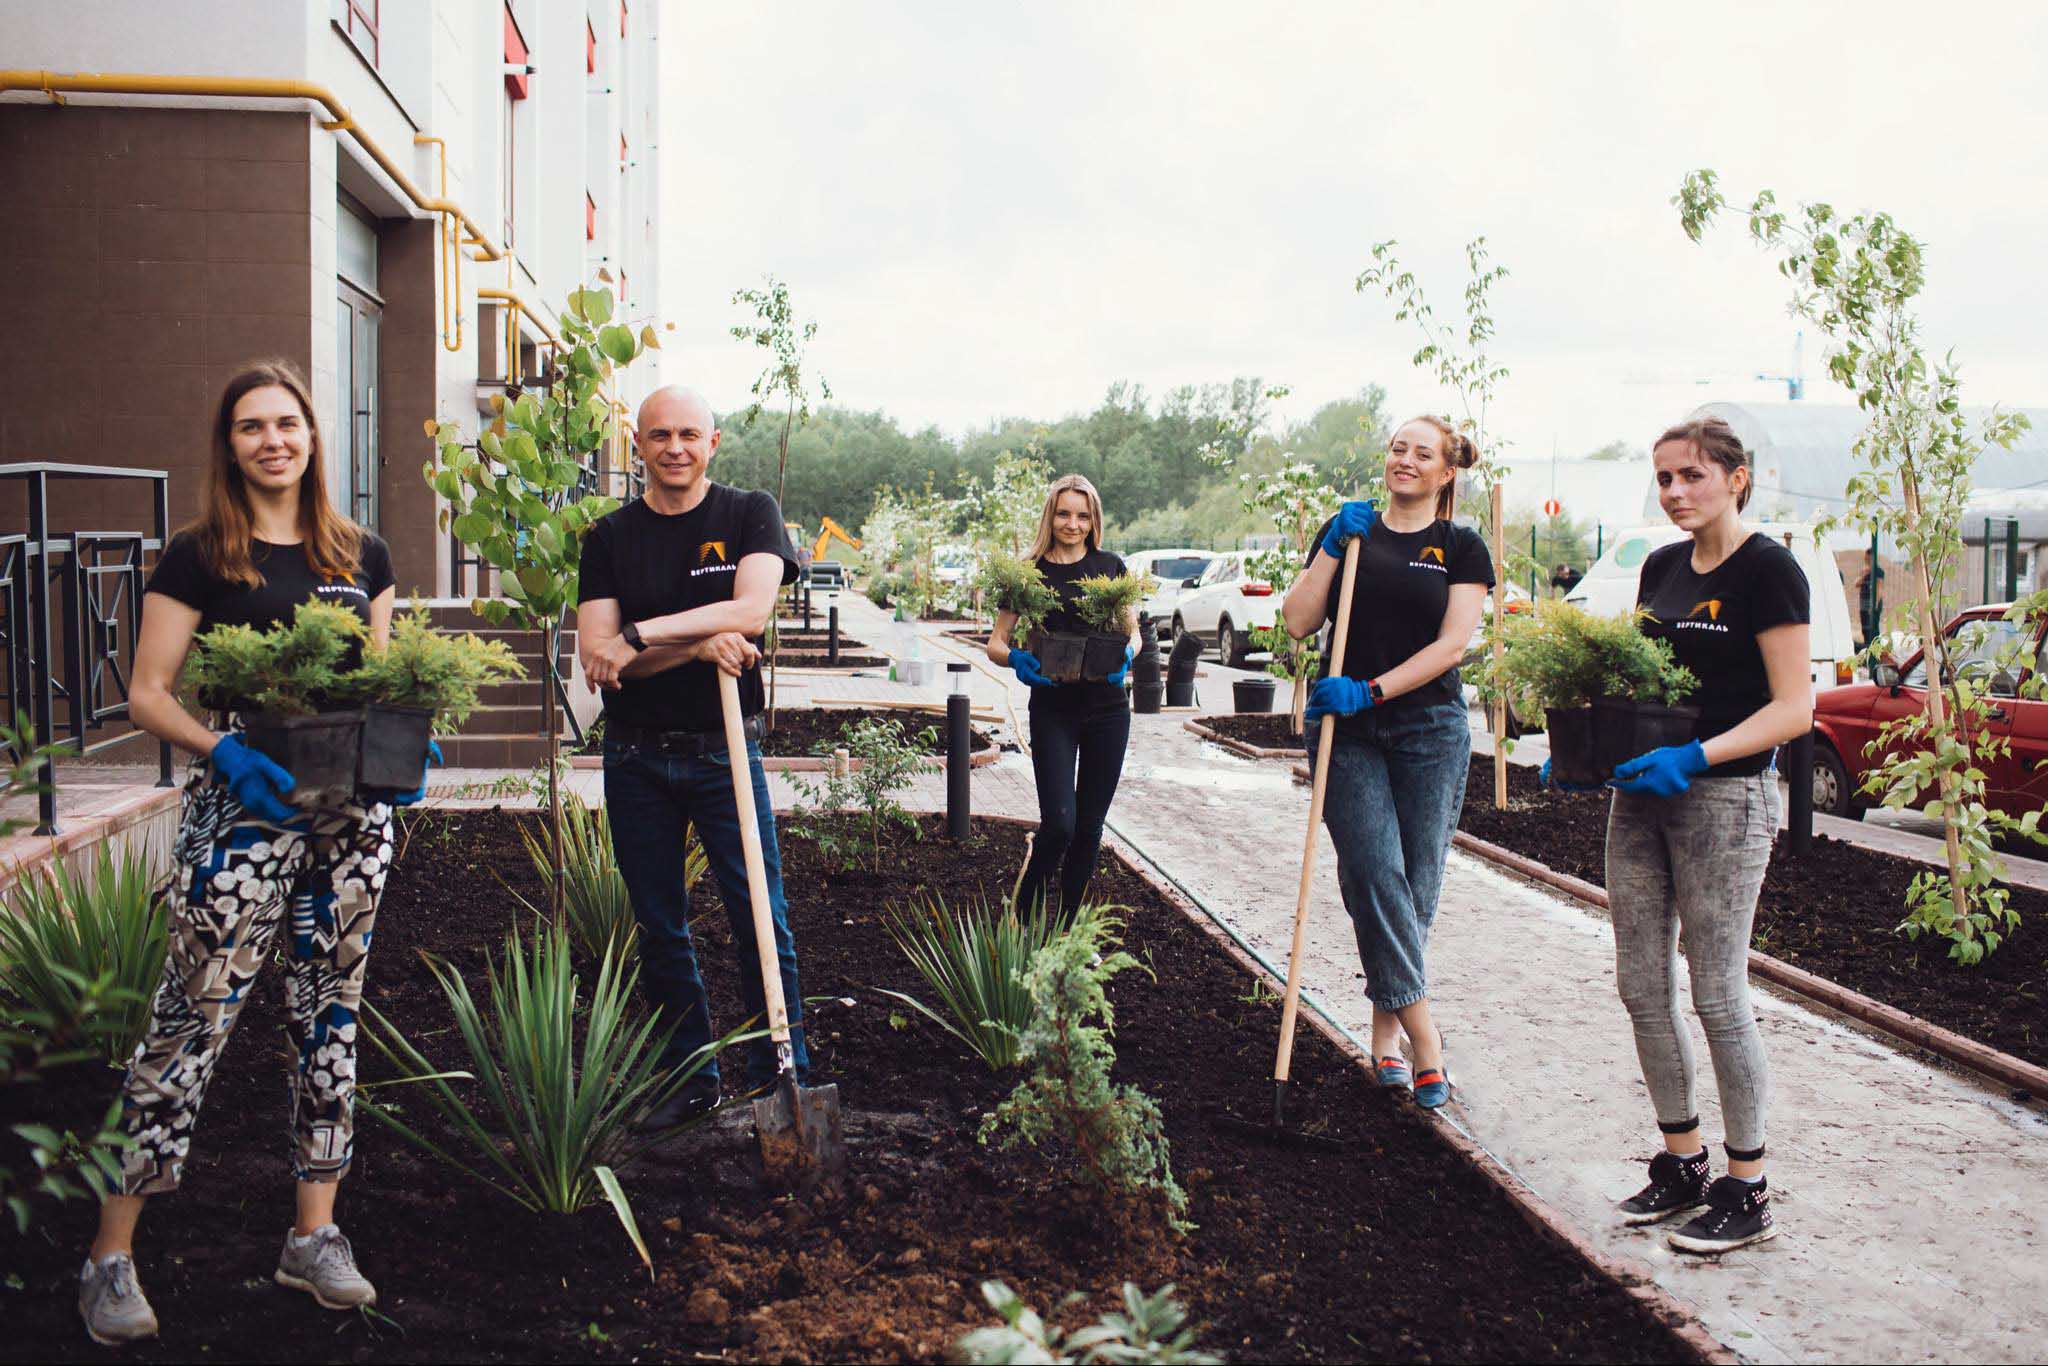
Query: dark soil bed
1831,911
818,641
798,730
1393,1248
820,659
1274,730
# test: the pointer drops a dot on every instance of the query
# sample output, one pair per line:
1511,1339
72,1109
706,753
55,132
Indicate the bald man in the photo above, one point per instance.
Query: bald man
676,587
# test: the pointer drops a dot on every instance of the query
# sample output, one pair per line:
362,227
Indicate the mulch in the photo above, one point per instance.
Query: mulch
1393,1247
798,731
1267,730
1833,911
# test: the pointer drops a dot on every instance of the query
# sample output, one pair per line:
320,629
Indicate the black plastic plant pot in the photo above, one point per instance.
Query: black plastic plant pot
1101,656
1146,697
1623,729
1061,654
1180,692
395,747
1573,755
1253,694
321,752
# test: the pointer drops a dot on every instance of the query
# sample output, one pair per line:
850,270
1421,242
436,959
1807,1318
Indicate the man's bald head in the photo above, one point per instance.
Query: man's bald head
675,407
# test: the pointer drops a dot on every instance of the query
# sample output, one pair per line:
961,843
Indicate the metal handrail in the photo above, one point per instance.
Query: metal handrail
45,559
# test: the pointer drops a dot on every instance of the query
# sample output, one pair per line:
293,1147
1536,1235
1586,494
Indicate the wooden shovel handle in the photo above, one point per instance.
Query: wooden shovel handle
750,845
1325,738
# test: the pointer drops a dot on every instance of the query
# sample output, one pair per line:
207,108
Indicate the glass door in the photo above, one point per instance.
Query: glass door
358,312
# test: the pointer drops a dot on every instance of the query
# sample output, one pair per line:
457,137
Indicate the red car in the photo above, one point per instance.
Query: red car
1847,719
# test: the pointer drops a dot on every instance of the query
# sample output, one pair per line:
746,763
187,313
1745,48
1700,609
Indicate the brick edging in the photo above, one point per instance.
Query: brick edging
1910,1029
1244,747
80,832
1632,1277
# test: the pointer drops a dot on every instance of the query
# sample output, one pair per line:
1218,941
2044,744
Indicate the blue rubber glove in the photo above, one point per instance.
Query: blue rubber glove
1339,696
1549,781
419,793
1353,519
258,781
1662,772
1118,677
1025,665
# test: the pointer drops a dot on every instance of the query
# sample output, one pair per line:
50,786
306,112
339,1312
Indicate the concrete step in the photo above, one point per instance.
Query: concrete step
484,750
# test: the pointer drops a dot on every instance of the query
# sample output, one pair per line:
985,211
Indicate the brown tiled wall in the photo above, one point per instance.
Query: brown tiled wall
147,253
410,341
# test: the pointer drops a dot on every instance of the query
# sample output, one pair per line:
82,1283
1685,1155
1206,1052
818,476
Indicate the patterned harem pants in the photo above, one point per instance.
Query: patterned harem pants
235,878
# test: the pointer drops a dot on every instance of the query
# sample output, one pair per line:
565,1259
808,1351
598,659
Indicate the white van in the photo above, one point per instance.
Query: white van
1610,588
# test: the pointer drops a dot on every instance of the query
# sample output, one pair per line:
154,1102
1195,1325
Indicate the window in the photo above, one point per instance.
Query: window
589,48
1985,649
358,22
589,217
517,78
518,83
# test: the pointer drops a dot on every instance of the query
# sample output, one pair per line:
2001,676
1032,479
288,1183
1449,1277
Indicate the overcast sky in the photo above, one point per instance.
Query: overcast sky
998,210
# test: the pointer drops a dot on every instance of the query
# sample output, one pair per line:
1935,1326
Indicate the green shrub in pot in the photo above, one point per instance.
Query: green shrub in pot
424,681
1569,664
1013,584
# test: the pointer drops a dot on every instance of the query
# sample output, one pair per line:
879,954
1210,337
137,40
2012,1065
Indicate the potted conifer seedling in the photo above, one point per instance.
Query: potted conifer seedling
1607,691
1109,604
424,682
284,683
1013,584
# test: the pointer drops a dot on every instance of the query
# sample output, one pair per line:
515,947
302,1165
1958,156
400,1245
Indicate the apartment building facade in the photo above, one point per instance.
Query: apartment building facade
387,192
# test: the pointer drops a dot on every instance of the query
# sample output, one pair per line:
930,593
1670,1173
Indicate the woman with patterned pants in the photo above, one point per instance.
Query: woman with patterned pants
250,866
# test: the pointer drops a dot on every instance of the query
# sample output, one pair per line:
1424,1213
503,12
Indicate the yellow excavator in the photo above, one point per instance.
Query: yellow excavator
829,531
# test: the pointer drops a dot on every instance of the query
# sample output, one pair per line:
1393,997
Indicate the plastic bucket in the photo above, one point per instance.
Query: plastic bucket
1253,694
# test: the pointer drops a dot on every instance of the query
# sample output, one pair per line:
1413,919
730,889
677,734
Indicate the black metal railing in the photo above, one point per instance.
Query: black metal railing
73,612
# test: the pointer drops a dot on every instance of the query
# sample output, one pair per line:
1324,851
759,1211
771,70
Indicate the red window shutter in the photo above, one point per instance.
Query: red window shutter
589,48
515,55
622,151
589,217
622,18
622,286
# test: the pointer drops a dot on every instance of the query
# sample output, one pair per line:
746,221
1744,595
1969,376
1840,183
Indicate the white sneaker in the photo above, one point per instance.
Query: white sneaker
111,1302
324,1266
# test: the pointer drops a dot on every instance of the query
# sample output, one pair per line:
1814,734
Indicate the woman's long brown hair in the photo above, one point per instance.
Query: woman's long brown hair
1459,454
225,526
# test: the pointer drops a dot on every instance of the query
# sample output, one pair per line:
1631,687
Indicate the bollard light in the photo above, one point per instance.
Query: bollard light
959,753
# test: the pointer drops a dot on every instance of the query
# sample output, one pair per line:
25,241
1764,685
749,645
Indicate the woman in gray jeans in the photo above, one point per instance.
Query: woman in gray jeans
1402,746
1690,830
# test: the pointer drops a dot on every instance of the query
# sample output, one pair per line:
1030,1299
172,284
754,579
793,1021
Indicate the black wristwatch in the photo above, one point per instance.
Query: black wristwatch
632,635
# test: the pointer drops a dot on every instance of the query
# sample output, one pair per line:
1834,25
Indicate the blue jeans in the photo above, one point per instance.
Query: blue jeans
1396,786
653,798
1077,757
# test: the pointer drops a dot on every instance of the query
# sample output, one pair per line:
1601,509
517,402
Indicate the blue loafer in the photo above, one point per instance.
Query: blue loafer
1432,1087
1392,1072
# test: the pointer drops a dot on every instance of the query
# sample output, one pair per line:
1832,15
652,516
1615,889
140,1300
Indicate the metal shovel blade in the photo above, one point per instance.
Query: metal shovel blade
803,1143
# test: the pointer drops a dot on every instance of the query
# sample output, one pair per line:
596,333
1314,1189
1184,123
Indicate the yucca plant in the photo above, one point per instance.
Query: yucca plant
81,949
974,959
558,1103
595,905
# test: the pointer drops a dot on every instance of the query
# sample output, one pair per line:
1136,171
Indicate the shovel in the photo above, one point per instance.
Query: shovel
1291,1004
803,1146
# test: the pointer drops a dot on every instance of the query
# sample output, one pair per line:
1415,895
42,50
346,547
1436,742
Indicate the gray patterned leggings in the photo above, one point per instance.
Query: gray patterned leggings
236,879
1691,866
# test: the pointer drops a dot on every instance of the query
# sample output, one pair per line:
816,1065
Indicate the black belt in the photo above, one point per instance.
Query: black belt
690,743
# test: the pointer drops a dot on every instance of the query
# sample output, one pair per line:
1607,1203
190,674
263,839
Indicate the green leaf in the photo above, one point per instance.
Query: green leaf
617,343
472,527
597,305
616,1194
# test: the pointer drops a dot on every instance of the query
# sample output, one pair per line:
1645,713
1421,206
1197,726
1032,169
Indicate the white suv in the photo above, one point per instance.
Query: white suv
1225,606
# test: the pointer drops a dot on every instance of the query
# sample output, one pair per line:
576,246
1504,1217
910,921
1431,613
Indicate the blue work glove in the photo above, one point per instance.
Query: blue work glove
419,793
1124,672
1662,772
1339,696
1353,519
258,781
1548,781
1025,665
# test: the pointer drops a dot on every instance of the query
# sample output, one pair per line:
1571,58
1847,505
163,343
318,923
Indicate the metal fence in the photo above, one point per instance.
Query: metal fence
73,601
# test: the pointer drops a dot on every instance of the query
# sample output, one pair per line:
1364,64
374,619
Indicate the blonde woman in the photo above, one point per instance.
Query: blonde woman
1079,731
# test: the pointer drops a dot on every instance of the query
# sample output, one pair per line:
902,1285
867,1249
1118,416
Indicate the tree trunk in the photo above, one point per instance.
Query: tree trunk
550,643
1937,698
781,469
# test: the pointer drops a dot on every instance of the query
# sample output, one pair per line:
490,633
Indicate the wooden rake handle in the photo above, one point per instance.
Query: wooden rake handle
1325,738
750,845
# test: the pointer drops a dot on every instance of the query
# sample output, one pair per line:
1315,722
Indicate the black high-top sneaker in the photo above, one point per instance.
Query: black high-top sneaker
1738,1214
1678,1185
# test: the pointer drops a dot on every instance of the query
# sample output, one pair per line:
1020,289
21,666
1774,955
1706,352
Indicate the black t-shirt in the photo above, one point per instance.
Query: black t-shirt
288,580
1404,589
1064,580
655,565
1712,621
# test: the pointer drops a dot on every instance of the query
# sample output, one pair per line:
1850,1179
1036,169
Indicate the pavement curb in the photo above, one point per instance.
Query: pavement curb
1983,1059
1634,1278
1247,749
82,832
